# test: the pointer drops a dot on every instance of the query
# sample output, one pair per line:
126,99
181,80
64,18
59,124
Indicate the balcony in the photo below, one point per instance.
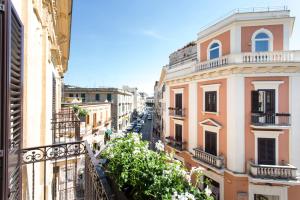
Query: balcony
273,57
178,145
270,119
212,160
76,172
177,112
284,171
65,126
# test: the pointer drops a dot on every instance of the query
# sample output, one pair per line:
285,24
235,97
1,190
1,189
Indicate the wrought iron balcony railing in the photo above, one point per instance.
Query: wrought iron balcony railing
76,173
176,112
284,171
65,126
176,144
215,161
270,119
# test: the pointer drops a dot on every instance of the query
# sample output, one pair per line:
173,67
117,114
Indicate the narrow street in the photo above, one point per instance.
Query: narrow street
147,128
147,131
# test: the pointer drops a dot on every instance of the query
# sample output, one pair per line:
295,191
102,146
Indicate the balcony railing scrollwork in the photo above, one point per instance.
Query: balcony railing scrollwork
215,161
176,112
284,171
270,119
72,178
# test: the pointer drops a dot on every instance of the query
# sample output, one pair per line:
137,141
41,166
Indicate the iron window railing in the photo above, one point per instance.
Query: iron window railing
65,126
270,119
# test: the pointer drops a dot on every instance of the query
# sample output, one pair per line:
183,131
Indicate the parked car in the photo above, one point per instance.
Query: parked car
142,122
149,117
139,125
129,128
137,129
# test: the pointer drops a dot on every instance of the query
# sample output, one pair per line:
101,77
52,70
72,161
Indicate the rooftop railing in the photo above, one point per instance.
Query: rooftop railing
250,58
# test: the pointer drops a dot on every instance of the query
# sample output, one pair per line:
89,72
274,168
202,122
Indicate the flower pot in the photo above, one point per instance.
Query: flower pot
82,118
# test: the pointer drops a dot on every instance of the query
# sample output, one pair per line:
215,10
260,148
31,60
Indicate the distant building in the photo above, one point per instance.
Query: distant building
150,101
97,121
138,100
159,104
121,102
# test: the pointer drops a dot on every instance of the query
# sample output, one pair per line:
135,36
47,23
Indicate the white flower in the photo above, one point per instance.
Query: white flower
117,135
136,137
207,191
196,170
159,146
183,196
136,150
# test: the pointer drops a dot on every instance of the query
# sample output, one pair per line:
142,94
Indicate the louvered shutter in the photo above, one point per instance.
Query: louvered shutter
254,101
270,101
11,101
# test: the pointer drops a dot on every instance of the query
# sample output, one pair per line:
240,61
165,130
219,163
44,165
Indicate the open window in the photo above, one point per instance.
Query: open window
263,101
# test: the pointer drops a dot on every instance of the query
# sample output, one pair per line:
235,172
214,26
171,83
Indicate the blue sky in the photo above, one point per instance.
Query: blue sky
126,42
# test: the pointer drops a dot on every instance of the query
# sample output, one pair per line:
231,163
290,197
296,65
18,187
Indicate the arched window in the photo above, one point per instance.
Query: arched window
214,50
262,40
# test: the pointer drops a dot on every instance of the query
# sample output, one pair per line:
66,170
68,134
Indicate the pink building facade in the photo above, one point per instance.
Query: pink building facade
235,110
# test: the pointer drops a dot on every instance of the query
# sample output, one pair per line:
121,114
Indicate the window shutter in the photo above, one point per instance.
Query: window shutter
254,101
11,79
270,101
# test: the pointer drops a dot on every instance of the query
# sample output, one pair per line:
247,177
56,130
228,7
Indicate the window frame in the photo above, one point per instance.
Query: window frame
211,88
209,128
267,134
270,40
209,46
268,85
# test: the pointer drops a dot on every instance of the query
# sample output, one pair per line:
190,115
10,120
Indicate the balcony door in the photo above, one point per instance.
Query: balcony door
266,151
211,143
178,104
178,101
263,101
178,132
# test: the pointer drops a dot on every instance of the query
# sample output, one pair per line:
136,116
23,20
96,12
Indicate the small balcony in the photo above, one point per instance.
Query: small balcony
270,119
250,58
65,126
177,112
172,142
212,160
284,171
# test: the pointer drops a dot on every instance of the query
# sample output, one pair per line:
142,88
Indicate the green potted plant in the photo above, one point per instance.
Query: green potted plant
82,113
75,108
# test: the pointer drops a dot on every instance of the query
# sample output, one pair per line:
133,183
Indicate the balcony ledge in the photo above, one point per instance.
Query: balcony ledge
270,126
209,166
253,179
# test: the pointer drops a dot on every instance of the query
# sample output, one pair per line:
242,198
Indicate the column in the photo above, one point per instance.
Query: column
192,117
236,123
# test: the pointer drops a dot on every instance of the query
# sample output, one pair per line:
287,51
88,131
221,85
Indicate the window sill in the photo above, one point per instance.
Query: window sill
207,112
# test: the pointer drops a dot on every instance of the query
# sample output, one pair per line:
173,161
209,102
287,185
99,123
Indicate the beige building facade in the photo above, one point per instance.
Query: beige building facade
46,43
